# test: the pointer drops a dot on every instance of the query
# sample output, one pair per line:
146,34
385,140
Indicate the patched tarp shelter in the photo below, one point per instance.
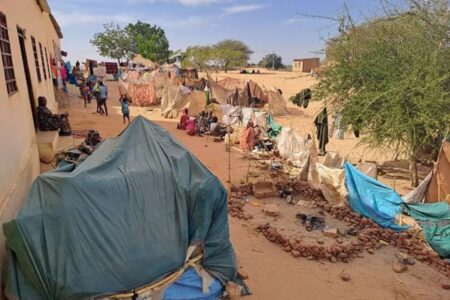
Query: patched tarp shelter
439,187
277,105
221,94
122,219
231,83
195,102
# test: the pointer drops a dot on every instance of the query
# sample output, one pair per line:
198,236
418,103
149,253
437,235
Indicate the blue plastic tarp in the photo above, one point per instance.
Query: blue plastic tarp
372,199
189,287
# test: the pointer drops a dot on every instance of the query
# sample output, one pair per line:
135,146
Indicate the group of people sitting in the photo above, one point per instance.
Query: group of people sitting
204,123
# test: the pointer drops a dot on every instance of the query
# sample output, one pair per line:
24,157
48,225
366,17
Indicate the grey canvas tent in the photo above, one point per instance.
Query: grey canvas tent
122,219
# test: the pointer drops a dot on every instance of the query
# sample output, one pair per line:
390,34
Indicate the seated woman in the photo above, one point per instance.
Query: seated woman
202,123
190,127
47,121
249,137
183,120
215,129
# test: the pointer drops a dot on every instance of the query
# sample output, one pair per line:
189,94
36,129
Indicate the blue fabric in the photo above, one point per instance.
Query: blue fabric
103,92
125,107
189,287
372,199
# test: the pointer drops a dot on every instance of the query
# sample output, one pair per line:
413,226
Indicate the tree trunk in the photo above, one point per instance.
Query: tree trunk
413,171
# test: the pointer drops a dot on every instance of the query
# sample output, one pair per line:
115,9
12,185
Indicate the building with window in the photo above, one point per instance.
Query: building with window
29,40
305,65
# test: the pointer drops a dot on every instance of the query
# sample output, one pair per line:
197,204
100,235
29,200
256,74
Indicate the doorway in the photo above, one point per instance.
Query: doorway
21,33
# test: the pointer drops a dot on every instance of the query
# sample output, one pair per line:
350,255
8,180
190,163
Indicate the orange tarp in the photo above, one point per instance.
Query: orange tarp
439,188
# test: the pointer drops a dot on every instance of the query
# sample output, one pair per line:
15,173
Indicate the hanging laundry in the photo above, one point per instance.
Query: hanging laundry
321,123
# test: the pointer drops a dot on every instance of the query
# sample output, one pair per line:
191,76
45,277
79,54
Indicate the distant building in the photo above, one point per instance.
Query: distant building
305,65
29,40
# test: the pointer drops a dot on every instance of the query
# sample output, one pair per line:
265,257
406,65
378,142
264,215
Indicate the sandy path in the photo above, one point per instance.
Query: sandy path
273,273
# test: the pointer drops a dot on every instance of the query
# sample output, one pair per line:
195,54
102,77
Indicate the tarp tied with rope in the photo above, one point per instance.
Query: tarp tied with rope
121,220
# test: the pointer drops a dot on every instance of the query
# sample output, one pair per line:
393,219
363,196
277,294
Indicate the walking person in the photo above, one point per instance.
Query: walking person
103,95
96,90
125,108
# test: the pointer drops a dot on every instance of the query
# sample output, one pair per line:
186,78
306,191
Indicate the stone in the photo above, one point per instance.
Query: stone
399,267
331,232
271,210
242,275
343,255
320,241
370,251
345,276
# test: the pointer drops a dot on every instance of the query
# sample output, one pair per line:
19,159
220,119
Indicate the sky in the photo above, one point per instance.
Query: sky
265,26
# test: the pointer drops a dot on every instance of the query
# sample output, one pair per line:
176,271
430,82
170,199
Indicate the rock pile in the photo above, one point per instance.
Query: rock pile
236,209
369,235
302,188
370,238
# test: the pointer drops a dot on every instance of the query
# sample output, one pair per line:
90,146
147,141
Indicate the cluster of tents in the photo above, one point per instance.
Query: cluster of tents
175,93
341,183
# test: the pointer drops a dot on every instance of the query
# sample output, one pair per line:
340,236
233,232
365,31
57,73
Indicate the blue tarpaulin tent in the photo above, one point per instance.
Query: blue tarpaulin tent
372,199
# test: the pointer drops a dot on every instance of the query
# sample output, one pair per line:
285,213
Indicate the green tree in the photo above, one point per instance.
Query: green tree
230,54
113,42
198,57
271,60
149,41
390,78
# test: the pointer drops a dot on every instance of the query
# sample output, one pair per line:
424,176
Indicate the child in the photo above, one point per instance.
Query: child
125,108
84,90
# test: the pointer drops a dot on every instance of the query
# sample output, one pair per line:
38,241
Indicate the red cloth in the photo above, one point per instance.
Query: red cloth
248,138
190,128
63,74
184,121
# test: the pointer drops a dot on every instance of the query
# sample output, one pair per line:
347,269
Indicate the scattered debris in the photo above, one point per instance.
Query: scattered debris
331,232
345,276
307,204
242,275
405,259
264,190
352,232
399,267
233,291
369,235
370,251
255,203
271,210
236,209
445,286
311,222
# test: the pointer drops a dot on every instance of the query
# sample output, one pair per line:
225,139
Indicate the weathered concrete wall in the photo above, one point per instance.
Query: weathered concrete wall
19,159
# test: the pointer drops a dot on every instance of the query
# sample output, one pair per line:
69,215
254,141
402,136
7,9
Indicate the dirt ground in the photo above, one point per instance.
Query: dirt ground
274,274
